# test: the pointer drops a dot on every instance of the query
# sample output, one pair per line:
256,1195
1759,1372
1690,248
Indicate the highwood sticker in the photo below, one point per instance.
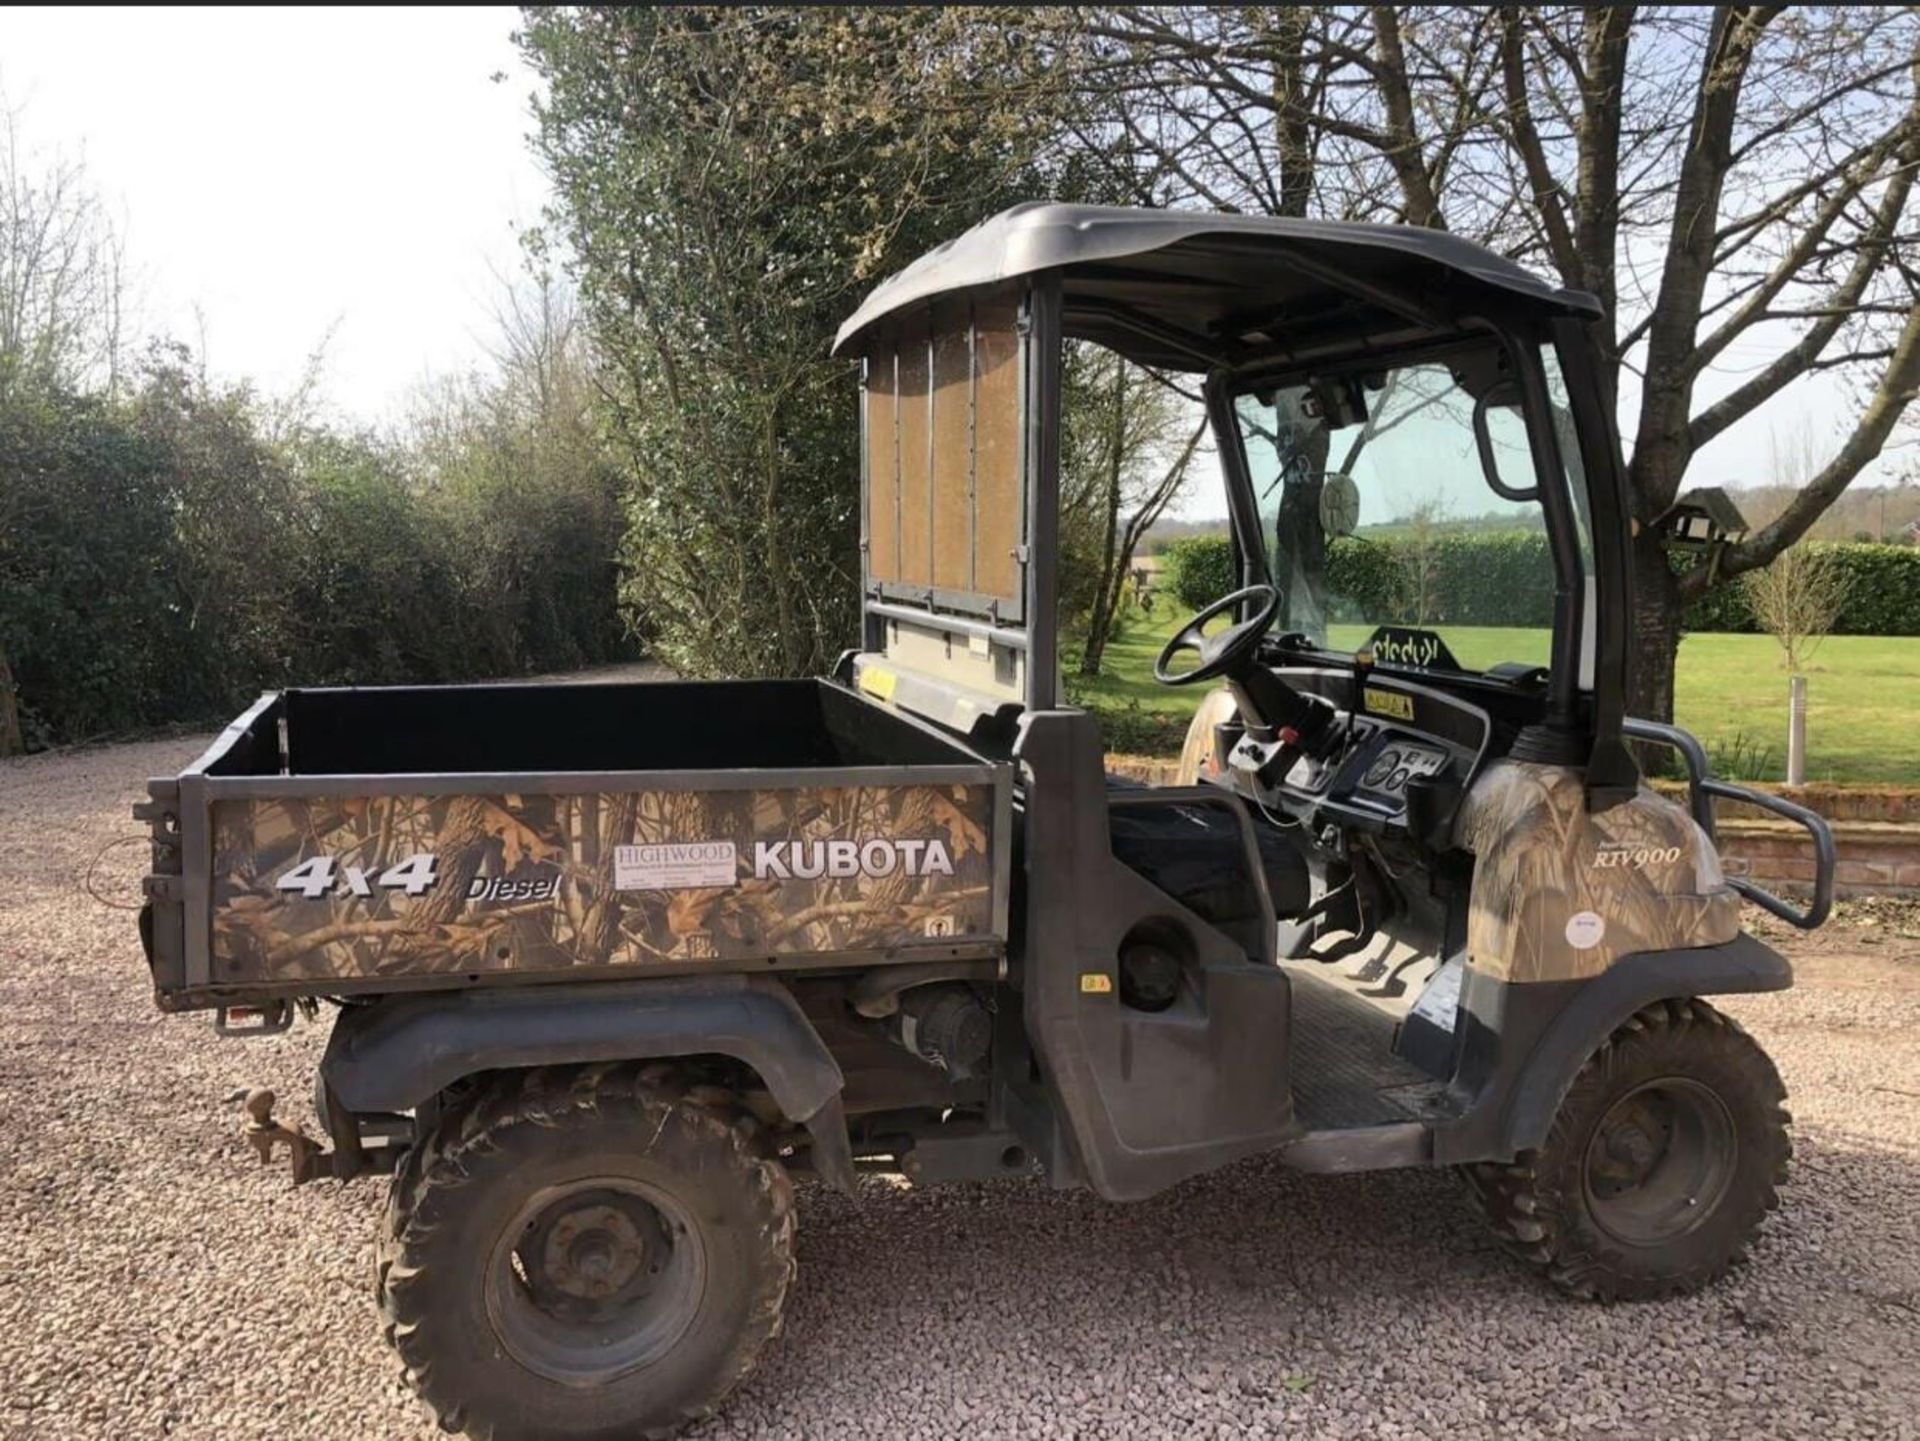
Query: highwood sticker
701,865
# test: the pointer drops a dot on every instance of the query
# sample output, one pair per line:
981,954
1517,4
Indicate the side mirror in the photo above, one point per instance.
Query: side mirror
1339,504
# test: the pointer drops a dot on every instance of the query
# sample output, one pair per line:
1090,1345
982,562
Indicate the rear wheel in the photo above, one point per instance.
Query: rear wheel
1662,1161
585,1254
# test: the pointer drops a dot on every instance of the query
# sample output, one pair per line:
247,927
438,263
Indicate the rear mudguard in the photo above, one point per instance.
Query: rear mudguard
399,1053
1524,1042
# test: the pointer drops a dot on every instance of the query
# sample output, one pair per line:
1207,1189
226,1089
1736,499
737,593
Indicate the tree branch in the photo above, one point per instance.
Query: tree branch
1660,452
1869,259
1869,253
1899,385
1402,147
1525,136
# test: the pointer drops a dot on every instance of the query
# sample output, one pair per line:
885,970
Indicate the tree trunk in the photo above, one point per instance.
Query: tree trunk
1107,601
1300,541
1095,655
1292,111
1656,630
793,658
12,743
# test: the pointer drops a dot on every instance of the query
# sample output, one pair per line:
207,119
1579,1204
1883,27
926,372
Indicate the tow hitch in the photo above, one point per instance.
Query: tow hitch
263,1133
361,1143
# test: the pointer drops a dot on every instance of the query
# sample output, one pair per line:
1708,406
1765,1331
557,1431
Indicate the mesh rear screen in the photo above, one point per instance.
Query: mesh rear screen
945,504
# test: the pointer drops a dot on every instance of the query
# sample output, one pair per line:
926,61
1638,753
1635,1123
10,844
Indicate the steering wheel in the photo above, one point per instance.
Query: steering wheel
1227,652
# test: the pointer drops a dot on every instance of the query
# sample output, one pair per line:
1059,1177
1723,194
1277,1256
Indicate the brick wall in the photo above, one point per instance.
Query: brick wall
1895,805
1875,858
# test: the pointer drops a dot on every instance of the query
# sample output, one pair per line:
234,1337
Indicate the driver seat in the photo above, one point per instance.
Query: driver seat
1194,853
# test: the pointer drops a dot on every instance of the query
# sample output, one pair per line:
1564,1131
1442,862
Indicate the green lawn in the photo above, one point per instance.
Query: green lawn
1863,696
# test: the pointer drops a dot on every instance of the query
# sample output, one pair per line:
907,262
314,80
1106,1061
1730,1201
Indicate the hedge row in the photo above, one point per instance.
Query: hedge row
1883,593
163,559
1470,579
1505,578
1199,570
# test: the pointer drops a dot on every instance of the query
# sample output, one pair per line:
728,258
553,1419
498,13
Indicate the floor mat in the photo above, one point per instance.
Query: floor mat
1344,1071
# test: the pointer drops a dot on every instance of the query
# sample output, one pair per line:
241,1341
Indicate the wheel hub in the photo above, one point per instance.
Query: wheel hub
593,1251
1632,1144
1659,1161
594,1279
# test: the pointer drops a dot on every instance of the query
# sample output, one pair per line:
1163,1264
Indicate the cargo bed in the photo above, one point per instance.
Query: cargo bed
334,842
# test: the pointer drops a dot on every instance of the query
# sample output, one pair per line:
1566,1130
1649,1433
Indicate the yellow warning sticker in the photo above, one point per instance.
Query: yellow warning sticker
877,682
1389,703
1095,983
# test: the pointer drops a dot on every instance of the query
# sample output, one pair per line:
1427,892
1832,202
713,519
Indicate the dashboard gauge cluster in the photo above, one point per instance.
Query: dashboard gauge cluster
1397,763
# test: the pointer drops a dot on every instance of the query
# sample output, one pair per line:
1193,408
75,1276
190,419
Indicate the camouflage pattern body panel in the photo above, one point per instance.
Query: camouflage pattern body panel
1561,894
315,888
1199,756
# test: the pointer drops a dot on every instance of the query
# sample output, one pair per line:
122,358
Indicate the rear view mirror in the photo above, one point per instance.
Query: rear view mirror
1339,400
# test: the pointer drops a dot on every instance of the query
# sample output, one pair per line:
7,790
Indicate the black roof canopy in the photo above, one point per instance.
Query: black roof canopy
1190,290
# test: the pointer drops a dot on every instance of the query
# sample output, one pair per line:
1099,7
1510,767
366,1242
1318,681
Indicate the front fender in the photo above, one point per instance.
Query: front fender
398,1053
1535,1036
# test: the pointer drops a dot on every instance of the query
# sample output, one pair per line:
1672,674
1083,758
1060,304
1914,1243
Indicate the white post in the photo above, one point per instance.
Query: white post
1797,731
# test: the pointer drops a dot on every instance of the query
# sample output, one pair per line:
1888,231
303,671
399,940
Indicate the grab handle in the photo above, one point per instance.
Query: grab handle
1703,787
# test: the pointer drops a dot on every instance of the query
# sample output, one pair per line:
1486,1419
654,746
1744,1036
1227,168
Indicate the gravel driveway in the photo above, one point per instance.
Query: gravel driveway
157,1283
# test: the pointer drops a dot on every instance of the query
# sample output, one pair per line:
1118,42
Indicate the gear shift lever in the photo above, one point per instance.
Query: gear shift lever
1362,669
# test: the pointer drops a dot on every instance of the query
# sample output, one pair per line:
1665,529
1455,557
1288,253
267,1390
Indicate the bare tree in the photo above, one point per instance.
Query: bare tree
1733,175
1419,560
1796,597
62,272
1131,441
539,378
62,307
540,347
1799,594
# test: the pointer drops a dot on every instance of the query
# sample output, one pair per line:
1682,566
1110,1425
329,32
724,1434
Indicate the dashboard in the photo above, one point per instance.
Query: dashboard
1360,778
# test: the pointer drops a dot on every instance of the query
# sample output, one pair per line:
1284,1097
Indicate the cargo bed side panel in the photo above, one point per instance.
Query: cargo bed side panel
331,884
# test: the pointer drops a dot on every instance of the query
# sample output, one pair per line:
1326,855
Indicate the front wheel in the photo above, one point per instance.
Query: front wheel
585,1254
1661,1163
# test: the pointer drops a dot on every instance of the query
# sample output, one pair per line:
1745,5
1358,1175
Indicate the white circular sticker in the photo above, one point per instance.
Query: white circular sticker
1585,929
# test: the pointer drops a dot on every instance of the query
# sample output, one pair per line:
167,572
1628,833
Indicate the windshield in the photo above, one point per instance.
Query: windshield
1375,509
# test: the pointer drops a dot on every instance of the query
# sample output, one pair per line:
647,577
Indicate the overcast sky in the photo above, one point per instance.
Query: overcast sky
288,171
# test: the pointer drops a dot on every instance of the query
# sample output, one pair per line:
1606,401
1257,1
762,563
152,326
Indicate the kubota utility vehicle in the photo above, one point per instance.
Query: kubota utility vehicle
609,964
